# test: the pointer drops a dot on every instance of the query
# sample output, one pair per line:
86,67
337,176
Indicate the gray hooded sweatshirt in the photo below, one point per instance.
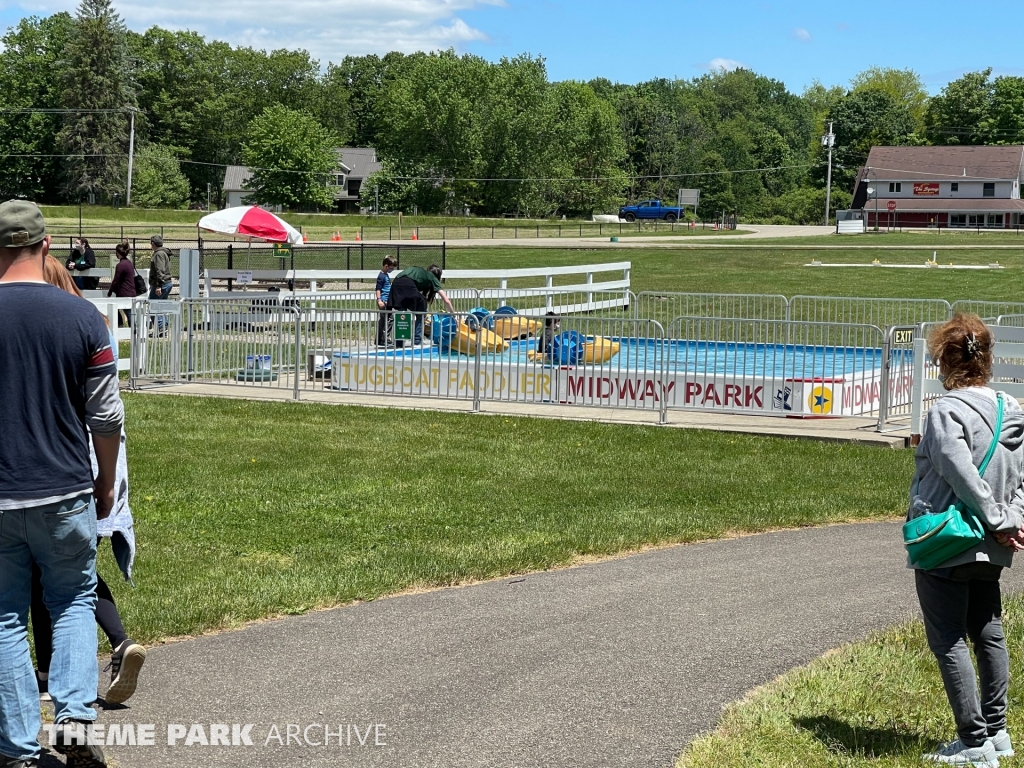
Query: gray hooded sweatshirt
957,434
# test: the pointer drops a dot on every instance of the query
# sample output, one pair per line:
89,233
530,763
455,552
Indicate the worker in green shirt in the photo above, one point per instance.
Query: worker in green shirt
413,289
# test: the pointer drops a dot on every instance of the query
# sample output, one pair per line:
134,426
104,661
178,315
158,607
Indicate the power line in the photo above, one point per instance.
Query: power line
439,177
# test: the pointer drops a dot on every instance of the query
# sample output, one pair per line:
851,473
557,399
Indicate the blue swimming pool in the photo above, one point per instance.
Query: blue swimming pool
679,356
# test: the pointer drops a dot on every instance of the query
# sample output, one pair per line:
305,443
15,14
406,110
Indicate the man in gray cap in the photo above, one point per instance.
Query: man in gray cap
59,390
160,279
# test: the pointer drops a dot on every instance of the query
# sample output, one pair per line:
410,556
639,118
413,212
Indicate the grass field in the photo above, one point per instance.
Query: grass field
875,704
760,270
251,509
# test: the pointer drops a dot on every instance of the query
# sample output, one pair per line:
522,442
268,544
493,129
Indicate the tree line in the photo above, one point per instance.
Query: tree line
454,133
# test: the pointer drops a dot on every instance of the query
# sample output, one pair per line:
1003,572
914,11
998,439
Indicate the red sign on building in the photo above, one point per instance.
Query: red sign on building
926,189
891,205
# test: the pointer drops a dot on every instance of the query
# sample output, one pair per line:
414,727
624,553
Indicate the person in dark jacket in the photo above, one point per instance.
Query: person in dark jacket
413,290
160,280
960,598
123,282
83,258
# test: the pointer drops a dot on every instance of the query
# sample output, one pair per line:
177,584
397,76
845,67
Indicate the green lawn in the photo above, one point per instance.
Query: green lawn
776,270
251,509
875,704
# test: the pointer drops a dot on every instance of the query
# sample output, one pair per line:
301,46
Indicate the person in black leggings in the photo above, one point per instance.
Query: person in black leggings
42,633
413,289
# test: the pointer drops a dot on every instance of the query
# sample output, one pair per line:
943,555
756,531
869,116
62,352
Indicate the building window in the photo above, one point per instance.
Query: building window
958,219
895,186
995,219
990,189
954,187
976,219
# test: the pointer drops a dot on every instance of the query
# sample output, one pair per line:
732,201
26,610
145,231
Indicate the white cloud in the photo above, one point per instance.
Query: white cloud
329,29
802,34
724,65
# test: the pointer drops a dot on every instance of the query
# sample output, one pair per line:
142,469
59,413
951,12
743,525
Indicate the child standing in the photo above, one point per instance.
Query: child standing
385,320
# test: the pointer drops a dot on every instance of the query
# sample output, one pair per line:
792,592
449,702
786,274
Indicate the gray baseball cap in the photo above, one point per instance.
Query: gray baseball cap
21,224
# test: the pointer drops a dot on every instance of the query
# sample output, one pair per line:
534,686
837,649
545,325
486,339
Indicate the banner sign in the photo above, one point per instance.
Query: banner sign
927,189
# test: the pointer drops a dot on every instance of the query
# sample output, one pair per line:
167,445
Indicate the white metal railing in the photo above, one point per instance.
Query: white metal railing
315,277
114,309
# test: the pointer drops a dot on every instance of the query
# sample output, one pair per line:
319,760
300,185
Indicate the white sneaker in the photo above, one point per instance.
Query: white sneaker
957,753
1001,743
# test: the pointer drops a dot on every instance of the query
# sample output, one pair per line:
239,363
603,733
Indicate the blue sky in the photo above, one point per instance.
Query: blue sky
796,42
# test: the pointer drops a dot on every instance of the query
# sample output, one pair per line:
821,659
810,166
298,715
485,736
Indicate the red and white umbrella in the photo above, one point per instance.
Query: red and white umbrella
251,221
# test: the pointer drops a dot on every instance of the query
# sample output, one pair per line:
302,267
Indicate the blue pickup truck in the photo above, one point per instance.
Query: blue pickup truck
650,209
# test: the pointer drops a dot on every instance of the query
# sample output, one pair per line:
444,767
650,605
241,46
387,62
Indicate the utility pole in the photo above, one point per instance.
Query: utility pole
828,140
131,158
376,200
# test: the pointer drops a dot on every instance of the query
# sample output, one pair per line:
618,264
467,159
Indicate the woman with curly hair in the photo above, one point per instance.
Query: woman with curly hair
960,598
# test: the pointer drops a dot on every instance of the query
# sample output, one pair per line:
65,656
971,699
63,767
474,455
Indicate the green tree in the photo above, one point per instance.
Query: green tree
807,205
962,112
904,85
292,157
157,180
715,183
1007,114
865,119
96,81
30,57
589,150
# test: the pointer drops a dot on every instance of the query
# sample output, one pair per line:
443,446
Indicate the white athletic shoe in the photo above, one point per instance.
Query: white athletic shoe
125,663
1001,744
957,753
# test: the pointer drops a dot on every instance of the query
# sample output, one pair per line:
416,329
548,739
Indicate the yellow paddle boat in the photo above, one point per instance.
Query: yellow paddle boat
597,350
465,340
600,350
516,326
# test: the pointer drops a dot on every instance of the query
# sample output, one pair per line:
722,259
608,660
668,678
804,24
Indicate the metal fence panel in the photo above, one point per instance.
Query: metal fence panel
495,358
156,348
988,309
883,313
774,367
664,307
898,379
238,341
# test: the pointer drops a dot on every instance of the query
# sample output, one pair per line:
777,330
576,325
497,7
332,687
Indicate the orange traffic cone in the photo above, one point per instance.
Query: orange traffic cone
414,235
358,237
305,239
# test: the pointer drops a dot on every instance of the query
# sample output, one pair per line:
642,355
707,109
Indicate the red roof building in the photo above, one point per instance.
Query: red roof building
976,187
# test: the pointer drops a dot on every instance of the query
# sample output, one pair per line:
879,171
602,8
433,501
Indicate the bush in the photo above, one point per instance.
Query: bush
157,179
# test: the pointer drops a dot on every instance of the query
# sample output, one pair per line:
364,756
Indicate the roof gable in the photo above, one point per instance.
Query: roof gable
930,163
356,162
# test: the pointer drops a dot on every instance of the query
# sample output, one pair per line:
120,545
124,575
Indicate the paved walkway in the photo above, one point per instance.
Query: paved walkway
844,430
618,663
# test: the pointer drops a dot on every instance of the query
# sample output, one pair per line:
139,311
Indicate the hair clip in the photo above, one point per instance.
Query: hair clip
972,347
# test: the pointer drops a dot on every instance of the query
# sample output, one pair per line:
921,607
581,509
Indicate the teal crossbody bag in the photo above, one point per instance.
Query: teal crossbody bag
934,538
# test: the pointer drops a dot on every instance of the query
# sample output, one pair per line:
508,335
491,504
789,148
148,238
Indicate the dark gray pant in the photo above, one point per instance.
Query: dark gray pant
960,603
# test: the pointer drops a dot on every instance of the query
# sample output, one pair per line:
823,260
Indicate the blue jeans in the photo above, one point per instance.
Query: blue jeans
160,292
61,539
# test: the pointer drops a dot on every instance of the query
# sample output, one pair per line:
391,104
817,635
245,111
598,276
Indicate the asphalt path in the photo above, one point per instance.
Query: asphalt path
617,663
